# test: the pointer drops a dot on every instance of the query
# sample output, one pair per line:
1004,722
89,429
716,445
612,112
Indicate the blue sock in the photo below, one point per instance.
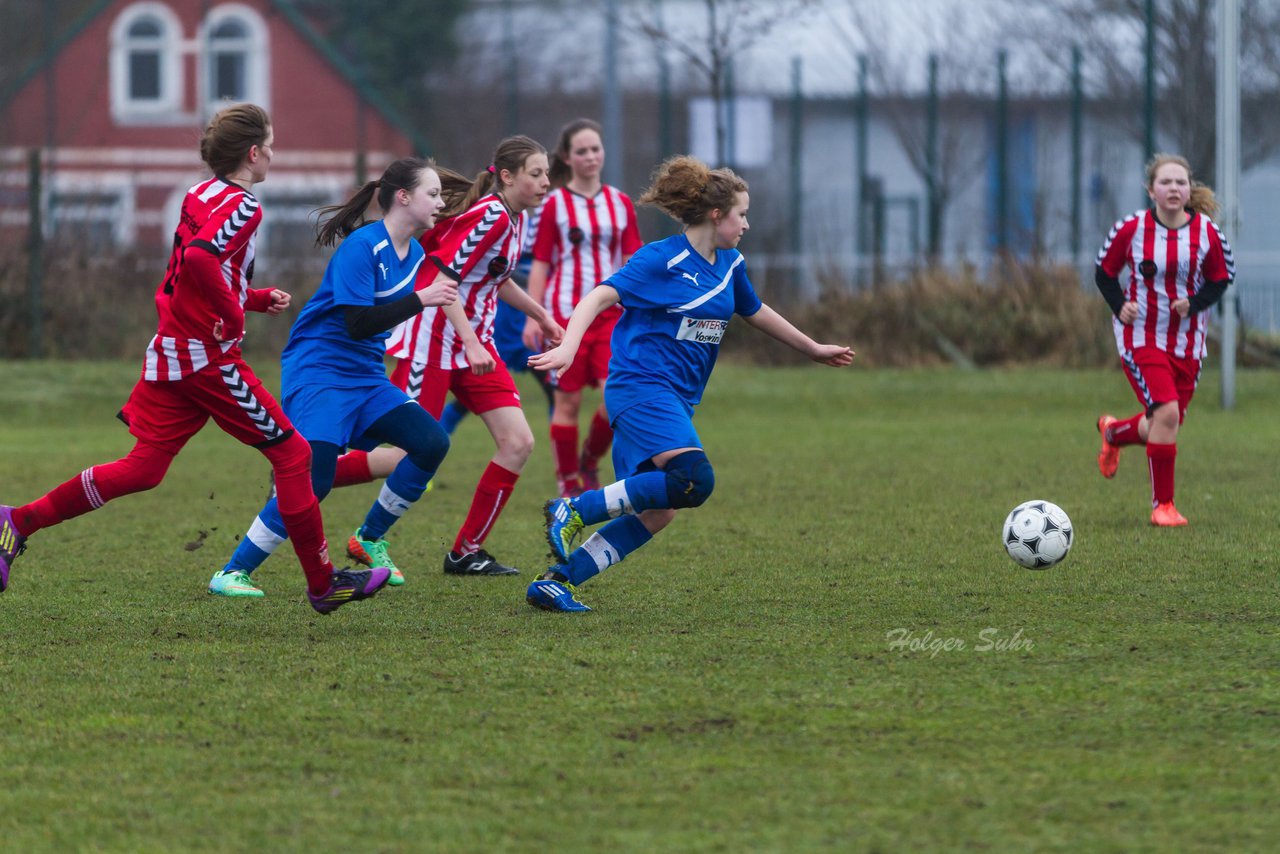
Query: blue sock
606,547
452,414
261,540
647,491
405,486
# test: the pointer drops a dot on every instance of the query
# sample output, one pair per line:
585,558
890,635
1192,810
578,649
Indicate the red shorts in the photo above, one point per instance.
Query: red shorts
1159,377
591,364
477,392
168,414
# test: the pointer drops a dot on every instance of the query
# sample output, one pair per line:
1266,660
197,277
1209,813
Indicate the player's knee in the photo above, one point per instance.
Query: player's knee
517,446
429,449
1167,415
690,479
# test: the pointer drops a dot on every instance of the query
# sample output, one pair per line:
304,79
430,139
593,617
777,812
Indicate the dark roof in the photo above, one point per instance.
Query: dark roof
287,11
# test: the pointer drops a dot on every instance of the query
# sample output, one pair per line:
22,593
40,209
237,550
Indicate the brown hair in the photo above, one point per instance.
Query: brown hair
1201,200
561,171
687,190
230,134
342,219
461,193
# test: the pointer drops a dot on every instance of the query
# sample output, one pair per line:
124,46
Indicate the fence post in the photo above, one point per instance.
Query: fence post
1002,152
35,258
1077,153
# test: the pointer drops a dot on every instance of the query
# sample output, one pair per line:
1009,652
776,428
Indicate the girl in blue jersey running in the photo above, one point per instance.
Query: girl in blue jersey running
334,380
679,295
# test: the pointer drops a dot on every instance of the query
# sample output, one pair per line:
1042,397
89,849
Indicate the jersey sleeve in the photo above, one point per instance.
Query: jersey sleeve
638,282
1219,262
352,273
1115,251
460,246
231,225
631,242
745,300
546,241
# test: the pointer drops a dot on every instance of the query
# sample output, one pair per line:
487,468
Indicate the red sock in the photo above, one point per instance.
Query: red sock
599,437
491,496
142,469
1125,432
564,447
1160,459
353,468
291,461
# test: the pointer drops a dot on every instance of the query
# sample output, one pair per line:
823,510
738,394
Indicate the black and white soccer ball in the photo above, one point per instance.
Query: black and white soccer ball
1037,534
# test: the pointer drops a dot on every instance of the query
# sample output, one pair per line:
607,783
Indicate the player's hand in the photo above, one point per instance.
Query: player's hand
1182,306
555,359
531,337
1128,313
551,331
834,355
217,332
279,301
482,361
443,291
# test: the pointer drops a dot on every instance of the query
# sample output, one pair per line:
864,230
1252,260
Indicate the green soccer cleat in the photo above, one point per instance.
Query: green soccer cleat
374,553
234,583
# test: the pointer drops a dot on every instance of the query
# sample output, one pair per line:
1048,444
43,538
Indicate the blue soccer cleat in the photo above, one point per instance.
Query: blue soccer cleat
552,595
563,526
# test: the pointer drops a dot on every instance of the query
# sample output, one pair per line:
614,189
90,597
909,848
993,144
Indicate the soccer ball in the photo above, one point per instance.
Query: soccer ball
1037,534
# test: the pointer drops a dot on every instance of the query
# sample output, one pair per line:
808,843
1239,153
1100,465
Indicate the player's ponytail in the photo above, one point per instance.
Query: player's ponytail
1201,200
337,221
461,193
687,190
230,134
560,171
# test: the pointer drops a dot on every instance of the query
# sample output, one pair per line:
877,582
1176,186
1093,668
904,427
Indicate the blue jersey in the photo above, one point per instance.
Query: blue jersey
677,307
365,271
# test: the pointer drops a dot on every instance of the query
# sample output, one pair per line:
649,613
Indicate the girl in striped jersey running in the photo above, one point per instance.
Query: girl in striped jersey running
193,370
450,349
587,231
1179,265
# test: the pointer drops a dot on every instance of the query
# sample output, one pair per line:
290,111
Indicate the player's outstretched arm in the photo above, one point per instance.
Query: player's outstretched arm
561,357
776,326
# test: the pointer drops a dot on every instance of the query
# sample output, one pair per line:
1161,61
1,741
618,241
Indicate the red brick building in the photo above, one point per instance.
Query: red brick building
116,108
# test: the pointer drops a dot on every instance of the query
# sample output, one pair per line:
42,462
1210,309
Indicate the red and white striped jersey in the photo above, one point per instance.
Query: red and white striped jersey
478,249
223,219
1165,264
584,240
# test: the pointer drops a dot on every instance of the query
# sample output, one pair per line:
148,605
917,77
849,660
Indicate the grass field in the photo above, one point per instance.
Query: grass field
778,671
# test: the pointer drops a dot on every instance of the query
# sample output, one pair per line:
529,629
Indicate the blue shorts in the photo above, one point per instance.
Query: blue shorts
340,416
641,432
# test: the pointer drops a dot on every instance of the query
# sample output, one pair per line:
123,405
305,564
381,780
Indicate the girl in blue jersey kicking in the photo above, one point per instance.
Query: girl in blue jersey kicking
679,295
334,379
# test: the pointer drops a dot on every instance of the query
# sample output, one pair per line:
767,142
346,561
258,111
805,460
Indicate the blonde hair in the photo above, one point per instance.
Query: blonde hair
687,190
1202,199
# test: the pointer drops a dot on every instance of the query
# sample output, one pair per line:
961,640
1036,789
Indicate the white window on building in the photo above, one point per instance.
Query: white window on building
146,65
89,216
234,40
288,229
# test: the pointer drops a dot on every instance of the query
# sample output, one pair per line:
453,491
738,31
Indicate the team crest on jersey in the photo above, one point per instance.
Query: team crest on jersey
498,265
1147,268
701,331
576,235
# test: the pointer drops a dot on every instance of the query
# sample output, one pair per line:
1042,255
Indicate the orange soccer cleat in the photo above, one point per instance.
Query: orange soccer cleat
1109,456
1167,516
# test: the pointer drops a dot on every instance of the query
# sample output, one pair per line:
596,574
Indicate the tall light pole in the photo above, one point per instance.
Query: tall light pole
1228,177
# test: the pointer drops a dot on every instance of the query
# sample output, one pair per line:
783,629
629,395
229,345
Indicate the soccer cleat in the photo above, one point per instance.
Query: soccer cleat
477,563
552,595
374,553
350,585
1167,516
233,582
1109,456
589,471
12,544
563,526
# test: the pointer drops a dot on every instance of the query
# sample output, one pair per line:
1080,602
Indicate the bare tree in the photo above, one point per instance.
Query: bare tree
1112,37
732,26
952,156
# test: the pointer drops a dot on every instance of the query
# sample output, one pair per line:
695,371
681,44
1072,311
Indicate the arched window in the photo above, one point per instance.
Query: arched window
235,57
145,65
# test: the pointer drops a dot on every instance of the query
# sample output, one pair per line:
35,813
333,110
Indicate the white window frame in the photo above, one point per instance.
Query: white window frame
256,53
165,109
120,216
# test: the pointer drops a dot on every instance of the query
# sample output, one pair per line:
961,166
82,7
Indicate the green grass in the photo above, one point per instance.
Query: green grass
735,688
